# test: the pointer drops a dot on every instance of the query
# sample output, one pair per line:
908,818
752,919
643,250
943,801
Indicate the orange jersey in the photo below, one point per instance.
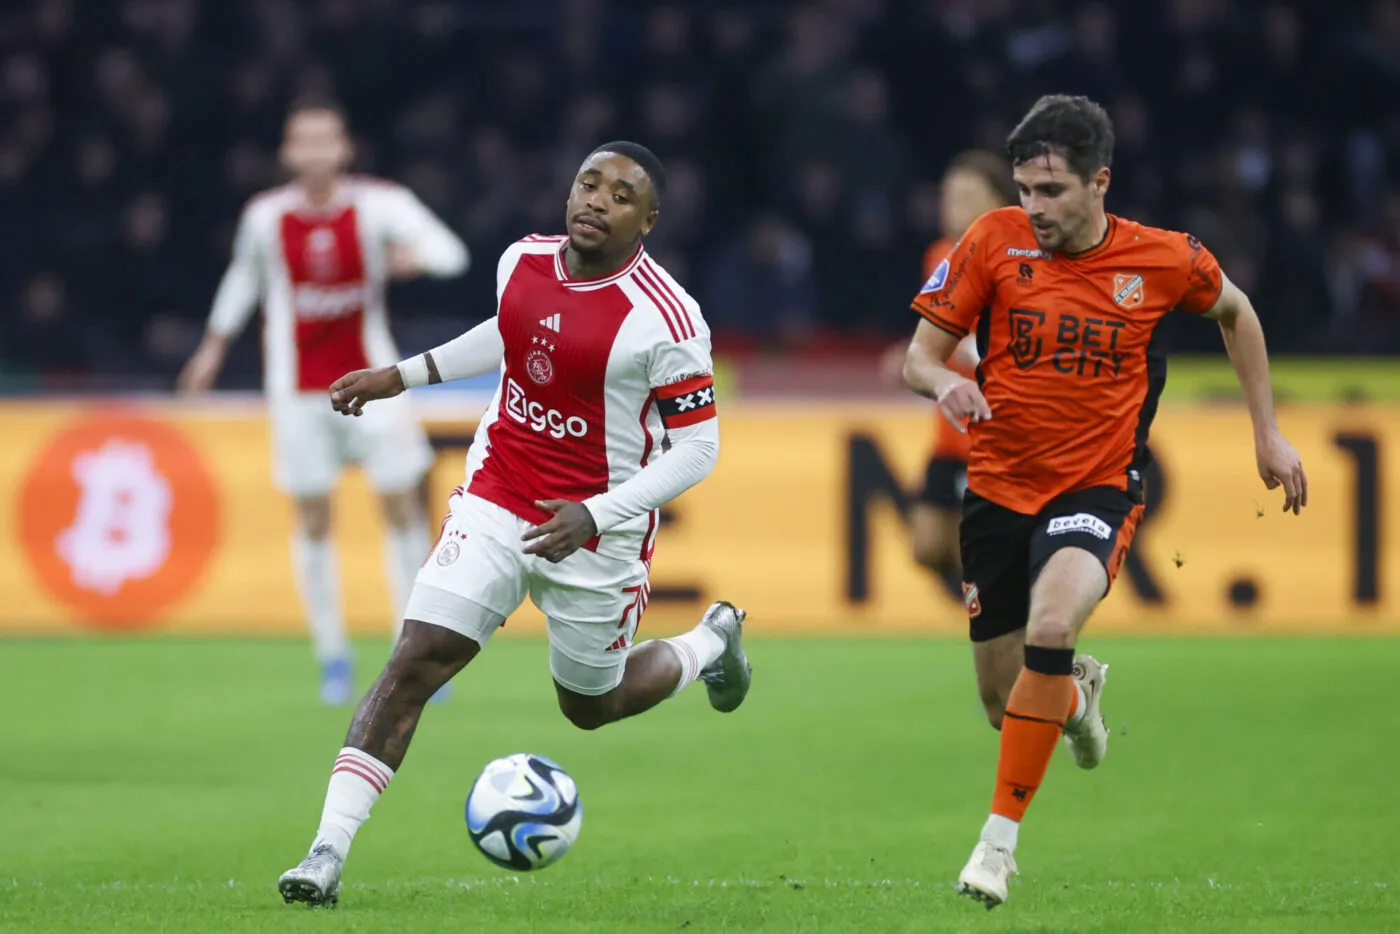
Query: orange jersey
1069,366
949,443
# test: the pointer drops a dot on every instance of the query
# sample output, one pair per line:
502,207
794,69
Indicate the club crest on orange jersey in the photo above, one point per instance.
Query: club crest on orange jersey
1127,290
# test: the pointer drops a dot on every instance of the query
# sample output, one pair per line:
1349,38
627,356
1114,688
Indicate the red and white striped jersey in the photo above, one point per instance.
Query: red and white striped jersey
320,273
595,372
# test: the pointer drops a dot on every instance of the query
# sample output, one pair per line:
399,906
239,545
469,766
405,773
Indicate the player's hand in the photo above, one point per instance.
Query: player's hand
562,535
962,404
350,393
1280,465
202,371
402,262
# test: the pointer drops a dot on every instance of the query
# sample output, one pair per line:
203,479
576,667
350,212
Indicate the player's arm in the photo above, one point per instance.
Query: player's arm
1279,464
681,374
477,352
419,242
950,302
234,305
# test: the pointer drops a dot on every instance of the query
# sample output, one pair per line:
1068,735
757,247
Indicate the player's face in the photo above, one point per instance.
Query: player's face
964,197
316,147
1061,205
611,206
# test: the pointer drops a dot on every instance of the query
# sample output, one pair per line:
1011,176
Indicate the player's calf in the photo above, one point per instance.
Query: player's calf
713,652
425,658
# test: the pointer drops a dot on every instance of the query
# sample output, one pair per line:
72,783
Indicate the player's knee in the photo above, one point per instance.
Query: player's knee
400,510
1051,629
314,517
934,555
426,657
588,715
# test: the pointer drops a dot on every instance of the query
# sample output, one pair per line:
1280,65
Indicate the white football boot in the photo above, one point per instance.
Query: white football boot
986,873
315,880
728,677
1088,740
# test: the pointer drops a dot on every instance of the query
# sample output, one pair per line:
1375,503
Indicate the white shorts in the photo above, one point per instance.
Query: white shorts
478,574
312,443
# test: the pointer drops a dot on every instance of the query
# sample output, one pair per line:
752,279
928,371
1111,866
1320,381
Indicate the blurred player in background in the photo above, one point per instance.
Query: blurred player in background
317,253
976,182
605,412
1064,300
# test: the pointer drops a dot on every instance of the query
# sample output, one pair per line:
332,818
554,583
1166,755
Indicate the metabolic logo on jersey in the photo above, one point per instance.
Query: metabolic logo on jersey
1028,254
935,281
538,366
1127,290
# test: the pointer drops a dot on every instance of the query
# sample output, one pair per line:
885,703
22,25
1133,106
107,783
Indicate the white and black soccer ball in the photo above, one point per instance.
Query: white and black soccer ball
523,812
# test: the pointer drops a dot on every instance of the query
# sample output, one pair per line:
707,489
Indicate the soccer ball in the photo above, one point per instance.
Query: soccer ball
523,812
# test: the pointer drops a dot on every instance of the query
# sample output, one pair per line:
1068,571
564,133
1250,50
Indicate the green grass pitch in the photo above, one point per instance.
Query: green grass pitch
1251,786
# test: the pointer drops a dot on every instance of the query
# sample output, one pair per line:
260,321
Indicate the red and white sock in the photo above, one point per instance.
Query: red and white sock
357,781
695,650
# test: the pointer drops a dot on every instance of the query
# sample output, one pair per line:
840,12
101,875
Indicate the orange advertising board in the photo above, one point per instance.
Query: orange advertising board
161,516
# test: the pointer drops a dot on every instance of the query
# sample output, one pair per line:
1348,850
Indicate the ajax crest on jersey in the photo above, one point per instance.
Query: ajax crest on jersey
523,812
539,367
935,281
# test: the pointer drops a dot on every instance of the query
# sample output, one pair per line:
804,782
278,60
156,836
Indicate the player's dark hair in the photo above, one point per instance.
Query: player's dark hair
1075,128
316,101
991,168
643,157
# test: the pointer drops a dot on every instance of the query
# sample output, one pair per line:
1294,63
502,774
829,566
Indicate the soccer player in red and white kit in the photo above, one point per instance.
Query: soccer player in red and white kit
317,253
605,412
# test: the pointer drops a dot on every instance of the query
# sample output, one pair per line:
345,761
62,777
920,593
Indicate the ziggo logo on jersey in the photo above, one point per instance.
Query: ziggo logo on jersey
548,421
316,302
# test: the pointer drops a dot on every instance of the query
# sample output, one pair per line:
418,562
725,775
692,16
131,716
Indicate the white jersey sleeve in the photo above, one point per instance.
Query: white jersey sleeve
409,222
241,287
478,351
681,374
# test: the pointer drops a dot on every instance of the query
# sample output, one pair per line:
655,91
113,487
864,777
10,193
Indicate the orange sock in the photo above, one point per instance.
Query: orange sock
1041,700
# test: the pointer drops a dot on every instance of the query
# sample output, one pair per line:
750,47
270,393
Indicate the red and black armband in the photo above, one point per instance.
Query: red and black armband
686,403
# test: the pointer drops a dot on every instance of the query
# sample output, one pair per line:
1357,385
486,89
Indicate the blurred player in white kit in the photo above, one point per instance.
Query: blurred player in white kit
316,254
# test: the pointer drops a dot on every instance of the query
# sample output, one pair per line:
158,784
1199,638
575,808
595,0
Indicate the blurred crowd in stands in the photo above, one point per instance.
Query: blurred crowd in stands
804,143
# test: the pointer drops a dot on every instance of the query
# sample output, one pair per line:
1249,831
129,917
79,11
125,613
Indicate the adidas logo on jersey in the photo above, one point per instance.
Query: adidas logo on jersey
552,322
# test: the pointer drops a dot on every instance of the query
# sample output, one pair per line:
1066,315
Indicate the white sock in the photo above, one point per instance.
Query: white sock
318,578
357,781
1001,831
695,649
403,556
1075,722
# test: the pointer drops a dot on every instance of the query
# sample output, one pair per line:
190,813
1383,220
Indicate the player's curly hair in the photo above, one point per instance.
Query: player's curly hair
643,157
1074,128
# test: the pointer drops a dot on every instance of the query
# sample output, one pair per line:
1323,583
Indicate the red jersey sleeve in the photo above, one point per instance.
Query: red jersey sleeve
961,285
1203,281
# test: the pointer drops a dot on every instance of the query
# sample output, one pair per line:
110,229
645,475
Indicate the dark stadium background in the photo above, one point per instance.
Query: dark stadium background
804,142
